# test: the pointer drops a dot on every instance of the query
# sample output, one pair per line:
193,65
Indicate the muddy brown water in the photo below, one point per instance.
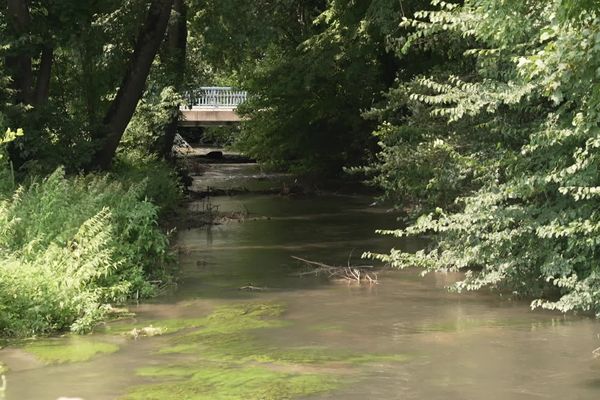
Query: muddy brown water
470,346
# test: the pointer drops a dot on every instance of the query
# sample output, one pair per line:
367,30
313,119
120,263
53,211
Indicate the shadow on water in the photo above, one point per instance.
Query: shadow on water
217,260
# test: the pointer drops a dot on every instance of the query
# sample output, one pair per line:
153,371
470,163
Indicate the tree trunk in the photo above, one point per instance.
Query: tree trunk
42,84
132,87
176,61
19,64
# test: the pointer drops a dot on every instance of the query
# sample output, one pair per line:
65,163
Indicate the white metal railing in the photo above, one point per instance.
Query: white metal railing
216,97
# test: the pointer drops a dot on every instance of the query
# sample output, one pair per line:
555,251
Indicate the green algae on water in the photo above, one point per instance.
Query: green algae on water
241,348
239,318
230,382
243,317
71,350
158,327
223,319
370,358
225,359
226,336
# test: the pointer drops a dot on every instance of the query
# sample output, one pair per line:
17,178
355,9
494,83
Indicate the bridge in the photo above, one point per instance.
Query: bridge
211,106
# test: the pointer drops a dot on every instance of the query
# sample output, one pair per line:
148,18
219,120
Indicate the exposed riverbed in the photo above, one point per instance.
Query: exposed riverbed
405,338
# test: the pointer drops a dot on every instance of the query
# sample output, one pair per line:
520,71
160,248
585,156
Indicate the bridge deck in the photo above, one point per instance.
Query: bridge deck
202,116
211,105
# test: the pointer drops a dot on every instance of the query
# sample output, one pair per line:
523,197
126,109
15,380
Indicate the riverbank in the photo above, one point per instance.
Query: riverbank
75,246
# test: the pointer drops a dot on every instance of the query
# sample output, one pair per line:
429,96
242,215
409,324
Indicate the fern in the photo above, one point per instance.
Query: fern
71,246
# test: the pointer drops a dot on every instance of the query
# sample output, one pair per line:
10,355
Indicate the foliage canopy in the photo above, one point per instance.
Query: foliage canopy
518,130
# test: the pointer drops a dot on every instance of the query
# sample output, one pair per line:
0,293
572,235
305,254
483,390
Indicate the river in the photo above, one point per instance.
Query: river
406,337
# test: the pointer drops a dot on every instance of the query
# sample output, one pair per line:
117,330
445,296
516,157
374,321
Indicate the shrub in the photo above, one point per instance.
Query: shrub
71,246
162,185
531,225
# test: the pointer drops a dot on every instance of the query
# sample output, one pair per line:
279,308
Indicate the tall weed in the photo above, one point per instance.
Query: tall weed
71,246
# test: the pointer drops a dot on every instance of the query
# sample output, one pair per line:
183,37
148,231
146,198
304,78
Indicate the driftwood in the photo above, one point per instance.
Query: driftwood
251,288
350,273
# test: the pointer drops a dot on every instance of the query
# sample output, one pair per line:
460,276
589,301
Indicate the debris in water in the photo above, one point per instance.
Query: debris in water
350,273
251,288
146,331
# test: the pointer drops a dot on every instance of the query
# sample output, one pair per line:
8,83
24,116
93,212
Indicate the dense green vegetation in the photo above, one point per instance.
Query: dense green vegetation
71,246
79,229
312,68
510,123
477,121
477,118
484,121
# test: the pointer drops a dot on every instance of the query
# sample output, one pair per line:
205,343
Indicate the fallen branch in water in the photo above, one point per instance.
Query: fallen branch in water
251,288
350,273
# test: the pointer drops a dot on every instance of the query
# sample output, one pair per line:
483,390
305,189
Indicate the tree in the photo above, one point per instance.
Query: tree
28,44
324,63
19,63
131,89
174,58
87,46
524,116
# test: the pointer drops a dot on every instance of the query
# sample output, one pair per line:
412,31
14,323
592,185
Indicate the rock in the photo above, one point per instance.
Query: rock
215,155
146,331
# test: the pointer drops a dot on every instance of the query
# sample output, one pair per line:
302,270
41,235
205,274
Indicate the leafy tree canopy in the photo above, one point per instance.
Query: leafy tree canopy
517,132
